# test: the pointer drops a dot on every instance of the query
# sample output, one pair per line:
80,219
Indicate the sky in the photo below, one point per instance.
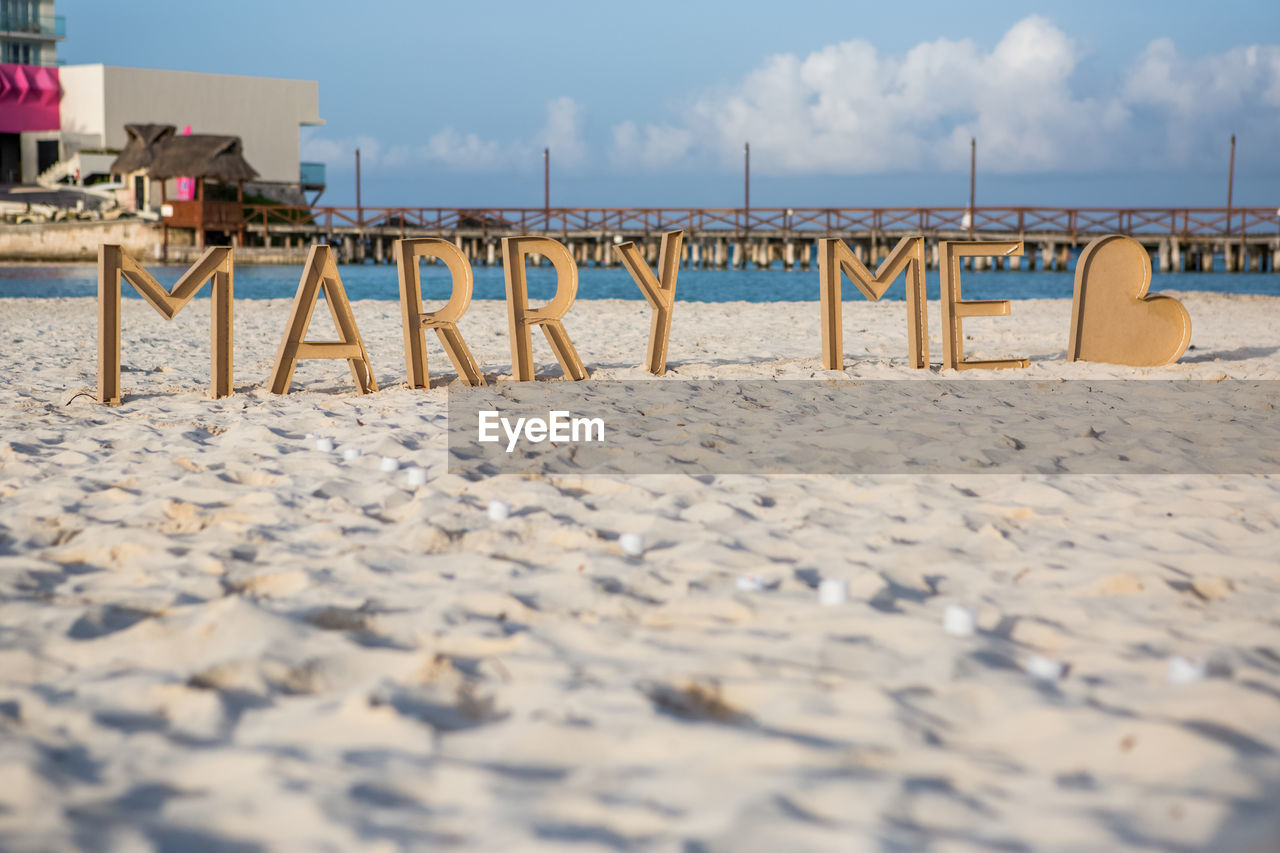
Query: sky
845,104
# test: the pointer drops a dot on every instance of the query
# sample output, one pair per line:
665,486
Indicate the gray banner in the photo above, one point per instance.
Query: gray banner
998,426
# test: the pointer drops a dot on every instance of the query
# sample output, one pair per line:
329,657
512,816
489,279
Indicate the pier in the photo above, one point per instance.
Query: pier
1179,239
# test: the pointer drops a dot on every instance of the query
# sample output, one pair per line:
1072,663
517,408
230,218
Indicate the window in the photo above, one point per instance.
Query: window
20,15
19,53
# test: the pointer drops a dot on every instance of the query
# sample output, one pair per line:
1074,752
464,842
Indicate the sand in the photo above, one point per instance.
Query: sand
213,634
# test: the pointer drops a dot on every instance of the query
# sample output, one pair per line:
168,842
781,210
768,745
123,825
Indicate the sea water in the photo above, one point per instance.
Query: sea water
373,281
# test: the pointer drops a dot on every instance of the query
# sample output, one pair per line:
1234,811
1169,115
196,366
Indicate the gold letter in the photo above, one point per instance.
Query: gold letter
321,271
954,309
660,294
444,321
520,316
909,255
114,262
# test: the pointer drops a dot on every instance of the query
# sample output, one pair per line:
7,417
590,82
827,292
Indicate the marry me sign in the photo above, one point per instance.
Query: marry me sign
1113,318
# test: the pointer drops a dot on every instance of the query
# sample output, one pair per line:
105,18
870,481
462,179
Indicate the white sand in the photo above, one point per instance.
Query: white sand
211,632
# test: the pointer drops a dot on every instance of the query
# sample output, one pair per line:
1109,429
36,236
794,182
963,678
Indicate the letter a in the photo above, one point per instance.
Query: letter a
520,317
444,321
660,293
114,263
321,272
834,257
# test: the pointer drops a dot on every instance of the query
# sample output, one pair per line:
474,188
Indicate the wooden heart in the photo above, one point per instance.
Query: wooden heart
1113,319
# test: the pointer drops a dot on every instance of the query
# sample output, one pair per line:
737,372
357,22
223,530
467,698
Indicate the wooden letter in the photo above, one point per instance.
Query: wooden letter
444,321
835,257
319,272
1113,319
114,263
659,292
520,316
955,309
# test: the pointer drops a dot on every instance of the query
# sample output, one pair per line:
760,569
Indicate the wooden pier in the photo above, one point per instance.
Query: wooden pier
1179,239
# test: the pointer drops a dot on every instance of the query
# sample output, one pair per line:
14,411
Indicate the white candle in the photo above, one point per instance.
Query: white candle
1183,671
324,445
389,464
632,544
751,582
1044,669
499,510
959,621
417,477
833,591
351,453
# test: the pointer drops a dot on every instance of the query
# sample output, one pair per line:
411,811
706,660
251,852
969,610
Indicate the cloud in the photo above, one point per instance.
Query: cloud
563,131
467,152
338,153
848,109
1210,86
654,148
1194,103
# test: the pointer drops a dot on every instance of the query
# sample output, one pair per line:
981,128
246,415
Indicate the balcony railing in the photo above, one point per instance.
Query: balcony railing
311,175
54,26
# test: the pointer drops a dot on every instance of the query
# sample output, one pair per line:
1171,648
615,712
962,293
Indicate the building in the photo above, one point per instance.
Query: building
29,36
156,154
265,113
66,123
30,32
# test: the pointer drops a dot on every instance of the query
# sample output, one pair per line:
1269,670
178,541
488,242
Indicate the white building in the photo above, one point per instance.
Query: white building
265,112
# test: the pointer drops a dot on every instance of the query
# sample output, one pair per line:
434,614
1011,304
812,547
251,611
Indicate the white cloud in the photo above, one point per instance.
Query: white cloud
656,147
340,153
1189,106
1239,79
846,108
563,131
467,152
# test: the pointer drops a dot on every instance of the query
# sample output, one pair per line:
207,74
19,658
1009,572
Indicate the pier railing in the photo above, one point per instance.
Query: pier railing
1073,221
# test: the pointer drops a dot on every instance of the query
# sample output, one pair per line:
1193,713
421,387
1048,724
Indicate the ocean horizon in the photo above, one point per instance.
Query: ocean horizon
774,284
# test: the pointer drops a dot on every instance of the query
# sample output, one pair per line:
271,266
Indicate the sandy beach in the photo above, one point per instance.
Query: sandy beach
215,636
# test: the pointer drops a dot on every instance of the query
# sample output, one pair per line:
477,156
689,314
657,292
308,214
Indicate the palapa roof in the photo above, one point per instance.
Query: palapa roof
140,150
164,154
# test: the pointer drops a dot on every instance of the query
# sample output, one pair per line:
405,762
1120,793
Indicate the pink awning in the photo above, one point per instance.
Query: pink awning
29,96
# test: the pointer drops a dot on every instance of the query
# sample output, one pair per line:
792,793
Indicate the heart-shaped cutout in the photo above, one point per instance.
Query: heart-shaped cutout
1113,319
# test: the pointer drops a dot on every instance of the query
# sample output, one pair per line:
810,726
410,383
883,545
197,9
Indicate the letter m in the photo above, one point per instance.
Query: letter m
834,257
114,263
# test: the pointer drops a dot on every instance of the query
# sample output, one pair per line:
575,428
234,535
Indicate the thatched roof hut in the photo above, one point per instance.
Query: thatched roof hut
140,150
164,155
